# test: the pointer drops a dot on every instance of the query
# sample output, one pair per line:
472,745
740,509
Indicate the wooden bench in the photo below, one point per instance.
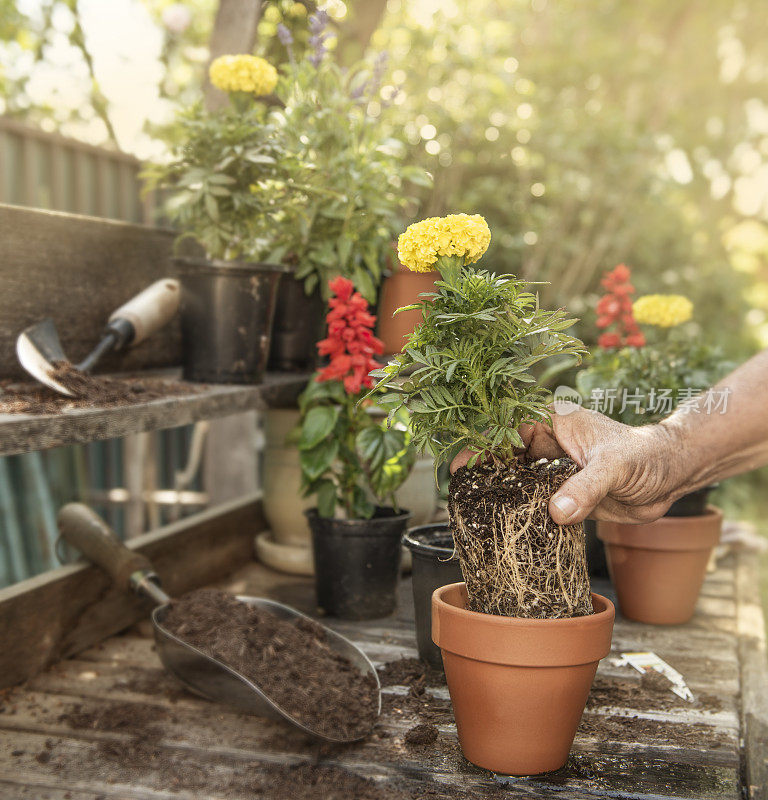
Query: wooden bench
74,649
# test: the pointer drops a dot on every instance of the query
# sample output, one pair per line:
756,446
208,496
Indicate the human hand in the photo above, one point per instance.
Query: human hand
627,474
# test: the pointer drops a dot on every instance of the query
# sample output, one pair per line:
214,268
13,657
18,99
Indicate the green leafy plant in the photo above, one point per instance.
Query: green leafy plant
346,172
351,458
466,374
225,179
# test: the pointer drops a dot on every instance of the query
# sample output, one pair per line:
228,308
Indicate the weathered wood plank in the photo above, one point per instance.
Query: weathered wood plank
225,736
754,675
64,611
77,270
21,433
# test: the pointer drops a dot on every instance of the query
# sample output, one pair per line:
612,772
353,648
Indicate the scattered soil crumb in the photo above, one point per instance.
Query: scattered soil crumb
91,392
422,734
289,660
151,682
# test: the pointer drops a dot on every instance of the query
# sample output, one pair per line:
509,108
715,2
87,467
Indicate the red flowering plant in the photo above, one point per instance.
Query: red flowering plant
350,458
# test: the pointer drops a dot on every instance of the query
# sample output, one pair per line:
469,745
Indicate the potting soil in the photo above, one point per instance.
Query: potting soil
289,660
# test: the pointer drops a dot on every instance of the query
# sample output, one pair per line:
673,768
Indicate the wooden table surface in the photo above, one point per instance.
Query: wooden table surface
633,742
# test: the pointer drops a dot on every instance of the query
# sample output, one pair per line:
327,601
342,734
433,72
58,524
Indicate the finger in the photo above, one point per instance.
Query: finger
543,444
461,460
581,493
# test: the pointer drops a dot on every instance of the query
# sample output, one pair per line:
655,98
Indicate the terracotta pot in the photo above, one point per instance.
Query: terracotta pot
658,568
518,686
401,289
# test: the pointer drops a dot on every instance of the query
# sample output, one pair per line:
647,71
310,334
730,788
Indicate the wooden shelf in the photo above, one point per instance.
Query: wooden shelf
24,433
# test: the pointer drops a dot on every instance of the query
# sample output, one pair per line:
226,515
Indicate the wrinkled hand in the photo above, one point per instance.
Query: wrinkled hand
627,474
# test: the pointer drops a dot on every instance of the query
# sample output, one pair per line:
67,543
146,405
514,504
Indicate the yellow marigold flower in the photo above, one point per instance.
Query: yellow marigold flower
243,73
298,10
463,235
663,310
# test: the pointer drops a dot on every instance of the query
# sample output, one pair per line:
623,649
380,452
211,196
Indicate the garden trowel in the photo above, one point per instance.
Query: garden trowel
39,348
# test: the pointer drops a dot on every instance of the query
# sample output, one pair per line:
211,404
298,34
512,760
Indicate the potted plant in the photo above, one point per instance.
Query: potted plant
217,160
345,174
402,287
522,636
646,364
433,564
352,462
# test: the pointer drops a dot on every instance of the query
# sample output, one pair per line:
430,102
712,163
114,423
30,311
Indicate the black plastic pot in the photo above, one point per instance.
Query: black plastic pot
357,563
431,549
691,505
597,566
299,325
227,309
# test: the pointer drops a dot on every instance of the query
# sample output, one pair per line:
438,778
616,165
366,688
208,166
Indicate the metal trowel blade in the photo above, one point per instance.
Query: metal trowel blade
38,348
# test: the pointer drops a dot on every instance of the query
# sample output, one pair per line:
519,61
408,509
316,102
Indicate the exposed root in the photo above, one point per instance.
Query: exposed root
516,560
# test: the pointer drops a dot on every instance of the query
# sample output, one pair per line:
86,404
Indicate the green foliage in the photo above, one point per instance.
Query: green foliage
466,374
641,385
345,174
350,457
225,176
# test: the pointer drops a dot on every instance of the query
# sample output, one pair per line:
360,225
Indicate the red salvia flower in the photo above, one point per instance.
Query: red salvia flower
614,308
351,344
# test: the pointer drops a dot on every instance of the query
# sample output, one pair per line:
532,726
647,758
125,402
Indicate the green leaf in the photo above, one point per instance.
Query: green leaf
318,424
319,459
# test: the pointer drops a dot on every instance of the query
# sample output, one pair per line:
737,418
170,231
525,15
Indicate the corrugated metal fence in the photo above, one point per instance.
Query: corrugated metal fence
123,479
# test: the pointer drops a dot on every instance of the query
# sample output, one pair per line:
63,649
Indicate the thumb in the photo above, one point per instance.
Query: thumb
576,498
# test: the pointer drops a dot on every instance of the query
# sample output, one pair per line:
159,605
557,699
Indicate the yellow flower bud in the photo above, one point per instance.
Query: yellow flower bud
464,235
243,73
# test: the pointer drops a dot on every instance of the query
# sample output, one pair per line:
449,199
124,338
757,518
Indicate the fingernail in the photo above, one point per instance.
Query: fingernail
565,505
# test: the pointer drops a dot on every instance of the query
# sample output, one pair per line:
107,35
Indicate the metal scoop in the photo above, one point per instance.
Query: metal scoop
39,347
208,677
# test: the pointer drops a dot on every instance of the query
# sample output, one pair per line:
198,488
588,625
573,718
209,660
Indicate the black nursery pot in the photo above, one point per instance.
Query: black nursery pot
227,309
597,565
693,504
431,549
357,563
298,327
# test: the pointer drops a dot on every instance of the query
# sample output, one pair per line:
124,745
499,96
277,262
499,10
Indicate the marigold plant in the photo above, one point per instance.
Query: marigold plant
350,458
663,310
466,374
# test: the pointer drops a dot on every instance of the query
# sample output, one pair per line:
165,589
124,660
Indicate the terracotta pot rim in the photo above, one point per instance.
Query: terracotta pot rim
521,642
666,533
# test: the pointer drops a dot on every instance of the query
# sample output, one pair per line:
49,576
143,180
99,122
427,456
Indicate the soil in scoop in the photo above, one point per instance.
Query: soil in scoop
90,392
290,661
516,561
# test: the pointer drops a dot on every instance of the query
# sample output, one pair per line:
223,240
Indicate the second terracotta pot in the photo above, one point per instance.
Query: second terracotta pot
658,568
402,288
518,686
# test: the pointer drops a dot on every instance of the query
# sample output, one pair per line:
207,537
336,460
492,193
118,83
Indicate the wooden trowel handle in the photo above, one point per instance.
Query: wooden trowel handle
85,530
151,309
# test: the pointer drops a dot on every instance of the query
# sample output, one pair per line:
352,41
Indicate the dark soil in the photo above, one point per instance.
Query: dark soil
91,392
422,734
417,701
139,719
289,661
634,728
541,572
651,693
408,671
